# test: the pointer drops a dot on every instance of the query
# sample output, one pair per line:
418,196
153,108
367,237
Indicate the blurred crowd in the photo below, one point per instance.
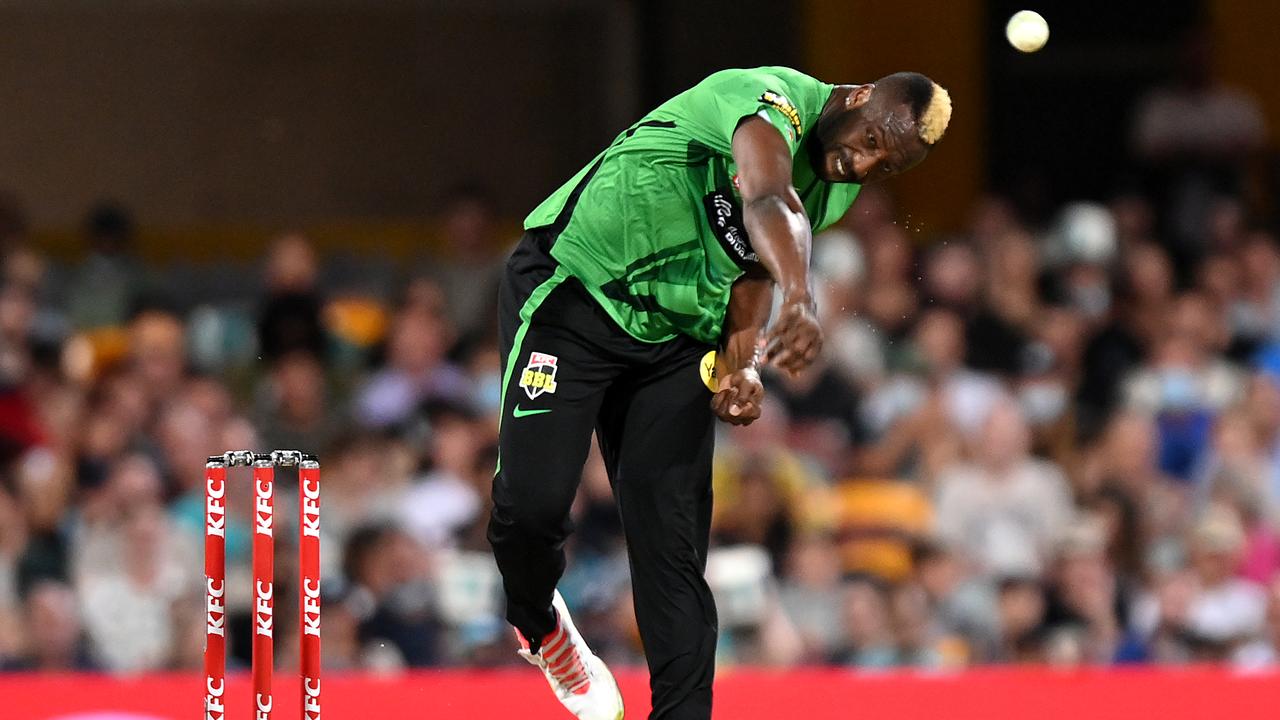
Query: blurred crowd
1051,440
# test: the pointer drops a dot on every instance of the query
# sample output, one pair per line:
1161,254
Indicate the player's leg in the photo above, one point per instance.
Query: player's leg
657,435
553,383
555,374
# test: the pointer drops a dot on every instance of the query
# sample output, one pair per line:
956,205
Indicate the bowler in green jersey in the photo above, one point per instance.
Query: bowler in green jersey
651,269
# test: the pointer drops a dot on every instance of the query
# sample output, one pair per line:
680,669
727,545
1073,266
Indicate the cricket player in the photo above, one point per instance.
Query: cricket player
662,252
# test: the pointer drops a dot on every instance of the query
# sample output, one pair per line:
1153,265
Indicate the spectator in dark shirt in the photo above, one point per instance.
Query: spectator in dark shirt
391,597
55,640
290,315
468,268
102,291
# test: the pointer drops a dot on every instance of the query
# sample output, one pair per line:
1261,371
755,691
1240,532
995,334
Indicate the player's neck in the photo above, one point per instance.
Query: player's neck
836,101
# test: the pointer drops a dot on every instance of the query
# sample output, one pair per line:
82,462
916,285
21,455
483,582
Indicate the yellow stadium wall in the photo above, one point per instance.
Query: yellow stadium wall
402,239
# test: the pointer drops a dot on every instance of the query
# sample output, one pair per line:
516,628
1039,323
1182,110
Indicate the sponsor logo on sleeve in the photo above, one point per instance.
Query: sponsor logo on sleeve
724,214
779,102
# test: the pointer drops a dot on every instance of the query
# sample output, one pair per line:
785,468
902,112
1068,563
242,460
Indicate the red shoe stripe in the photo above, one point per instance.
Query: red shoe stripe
554,643
580,685
562,659
565,663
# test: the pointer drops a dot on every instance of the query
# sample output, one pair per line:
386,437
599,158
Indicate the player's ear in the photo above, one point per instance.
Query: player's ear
859,97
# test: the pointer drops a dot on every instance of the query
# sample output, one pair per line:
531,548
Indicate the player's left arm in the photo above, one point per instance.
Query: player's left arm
740,395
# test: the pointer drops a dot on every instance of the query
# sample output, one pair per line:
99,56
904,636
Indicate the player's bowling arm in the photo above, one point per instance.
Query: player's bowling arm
737,401
779,234
772,211
750,301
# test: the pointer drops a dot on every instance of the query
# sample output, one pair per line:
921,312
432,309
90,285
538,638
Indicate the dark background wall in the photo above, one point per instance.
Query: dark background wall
216,119
1059,119
861,40
682,42
293,111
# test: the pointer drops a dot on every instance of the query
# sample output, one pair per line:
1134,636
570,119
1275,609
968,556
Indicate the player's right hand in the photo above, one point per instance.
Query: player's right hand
740,396
796,337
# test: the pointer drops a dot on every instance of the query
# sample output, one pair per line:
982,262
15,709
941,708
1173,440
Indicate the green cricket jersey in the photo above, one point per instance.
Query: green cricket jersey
653,226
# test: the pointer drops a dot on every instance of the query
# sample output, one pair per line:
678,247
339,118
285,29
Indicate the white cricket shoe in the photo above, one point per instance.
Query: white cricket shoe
580,680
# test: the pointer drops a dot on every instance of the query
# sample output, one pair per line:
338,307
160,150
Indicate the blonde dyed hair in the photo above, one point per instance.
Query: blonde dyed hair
936,115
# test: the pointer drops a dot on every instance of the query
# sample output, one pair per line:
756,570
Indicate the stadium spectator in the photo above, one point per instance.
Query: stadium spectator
340,650
1048,378
391,598
297,408
445,500
961,605
919,417
1084,595
921,642
54,640
103,289
416,369
158,354
132,606
467,270
1005,510
365,479
1021,608
809,592
1265,651
1126,459
868,639
1205,612
760,486
43,491
823,412
1226,611
852,345
289,319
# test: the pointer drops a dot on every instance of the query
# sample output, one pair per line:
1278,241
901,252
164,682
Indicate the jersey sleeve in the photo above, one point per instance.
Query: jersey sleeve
720,103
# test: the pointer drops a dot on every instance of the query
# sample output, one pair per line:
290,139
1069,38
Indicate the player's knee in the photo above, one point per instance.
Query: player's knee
528,522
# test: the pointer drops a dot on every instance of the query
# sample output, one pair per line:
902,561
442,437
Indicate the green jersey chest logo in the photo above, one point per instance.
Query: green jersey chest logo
724,215
539,375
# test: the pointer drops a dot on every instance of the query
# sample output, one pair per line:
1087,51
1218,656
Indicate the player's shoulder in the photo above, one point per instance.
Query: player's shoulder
794,93
776,74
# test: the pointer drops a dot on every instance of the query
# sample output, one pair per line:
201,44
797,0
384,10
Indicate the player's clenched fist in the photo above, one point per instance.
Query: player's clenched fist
796,337
740,396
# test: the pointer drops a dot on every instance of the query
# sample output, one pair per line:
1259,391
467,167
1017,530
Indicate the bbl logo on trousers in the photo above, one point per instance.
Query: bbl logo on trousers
539,375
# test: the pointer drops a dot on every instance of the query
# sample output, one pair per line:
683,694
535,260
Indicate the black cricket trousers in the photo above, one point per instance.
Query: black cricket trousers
569,369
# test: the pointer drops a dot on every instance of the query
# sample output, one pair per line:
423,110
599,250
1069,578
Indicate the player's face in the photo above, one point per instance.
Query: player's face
867,143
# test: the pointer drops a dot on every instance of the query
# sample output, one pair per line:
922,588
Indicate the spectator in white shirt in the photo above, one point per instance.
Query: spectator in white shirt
1005,509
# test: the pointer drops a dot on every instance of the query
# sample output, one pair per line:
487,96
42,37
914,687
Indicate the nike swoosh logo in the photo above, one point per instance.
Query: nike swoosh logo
517,412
